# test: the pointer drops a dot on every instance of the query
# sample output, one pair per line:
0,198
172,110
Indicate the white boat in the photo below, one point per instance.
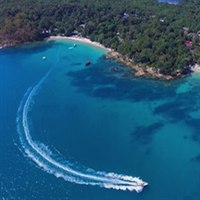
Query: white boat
144,183
44,58
141,183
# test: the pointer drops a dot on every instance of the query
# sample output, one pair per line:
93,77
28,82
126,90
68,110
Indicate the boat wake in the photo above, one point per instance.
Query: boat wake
49,162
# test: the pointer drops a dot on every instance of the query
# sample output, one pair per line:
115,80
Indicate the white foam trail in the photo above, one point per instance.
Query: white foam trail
41,154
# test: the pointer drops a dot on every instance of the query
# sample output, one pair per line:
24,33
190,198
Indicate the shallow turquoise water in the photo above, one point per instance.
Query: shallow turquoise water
94,117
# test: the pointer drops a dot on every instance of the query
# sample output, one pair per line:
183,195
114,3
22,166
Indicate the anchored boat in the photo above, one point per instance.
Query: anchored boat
87,63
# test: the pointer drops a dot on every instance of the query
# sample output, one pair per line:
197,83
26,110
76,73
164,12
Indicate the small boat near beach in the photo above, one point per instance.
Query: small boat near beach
74,45
87,63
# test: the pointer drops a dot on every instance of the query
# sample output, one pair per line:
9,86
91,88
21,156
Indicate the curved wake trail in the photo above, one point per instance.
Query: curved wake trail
44,158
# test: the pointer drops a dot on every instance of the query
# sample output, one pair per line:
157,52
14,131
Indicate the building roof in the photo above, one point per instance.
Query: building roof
188,43
82,25
125,15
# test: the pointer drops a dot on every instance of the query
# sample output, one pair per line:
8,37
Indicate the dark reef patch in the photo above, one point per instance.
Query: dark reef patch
177,108
171,110
195,123
143,134
109,79
124,85
196,158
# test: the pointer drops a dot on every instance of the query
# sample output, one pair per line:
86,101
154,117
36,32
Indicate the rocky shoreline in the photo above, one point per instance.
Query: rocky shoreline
8,44
13,43
139,71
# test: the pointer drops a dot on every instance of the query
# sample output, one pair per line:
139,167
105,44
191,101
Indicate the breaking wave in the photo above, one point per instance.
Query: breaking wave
46,160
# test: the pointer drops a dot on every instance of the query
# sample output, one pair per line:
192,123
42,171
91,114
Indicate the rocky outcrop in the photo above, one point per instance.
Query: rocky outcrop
138,70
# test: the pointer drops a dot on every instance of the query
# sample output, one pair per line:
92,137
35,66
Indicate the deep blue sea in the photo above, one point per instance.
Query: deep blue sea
65,127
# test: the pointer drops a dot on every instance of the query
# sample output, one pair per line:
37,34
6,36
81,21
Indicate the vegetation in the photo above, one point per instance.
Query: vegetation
148,32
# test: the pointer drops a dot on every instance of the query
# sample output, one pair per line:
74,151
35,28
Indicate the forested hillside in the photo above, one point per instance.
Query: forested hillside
160,35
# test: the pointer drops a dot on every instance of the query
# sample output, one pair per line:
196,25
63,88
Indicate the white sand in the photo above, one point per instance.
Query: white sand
80,39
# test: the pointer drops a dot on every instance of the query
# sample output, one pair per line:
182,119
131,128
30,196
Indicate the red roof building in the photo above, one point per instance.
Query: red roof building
185,32
188,43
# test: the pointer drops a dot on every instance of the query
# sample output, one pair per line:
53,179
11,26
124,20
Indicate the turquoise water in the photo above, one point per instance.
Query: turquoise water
94,118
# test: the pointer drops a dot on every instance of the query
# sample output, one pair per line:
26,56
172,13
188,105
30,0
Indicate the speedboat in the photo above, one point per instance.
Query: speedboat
87,63
141,183
144,183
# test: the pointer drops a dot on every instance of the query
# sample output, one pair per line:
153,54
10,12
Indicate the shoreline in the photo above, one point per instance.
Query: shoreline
137,69
115,56
112,54
80,39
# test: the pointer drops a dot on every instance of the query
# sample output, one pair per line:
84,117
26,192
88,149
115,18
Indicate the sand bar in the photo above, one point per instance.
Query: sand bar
80,39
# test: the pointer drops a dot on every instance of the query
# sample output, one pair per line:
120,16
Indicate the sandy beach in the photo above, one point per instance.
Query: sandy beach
80,39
